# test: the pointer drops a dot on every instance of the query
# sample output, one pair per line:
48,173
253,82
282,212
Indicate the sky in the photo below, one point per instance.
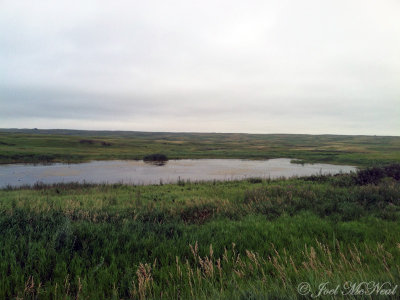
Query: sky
287,66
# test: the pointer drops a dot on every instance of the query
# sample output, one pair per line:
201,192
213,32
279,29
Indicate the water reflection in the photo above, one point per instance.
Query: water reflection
154,172
156,163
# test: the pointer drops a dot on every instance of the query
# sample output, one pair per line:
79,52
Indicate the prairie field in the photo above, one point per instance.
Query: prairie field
248,239
46,146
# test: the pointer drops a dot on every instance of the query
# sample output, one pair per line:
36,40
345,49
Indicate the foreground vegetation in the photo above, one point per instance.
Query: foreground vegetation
251,239
46,146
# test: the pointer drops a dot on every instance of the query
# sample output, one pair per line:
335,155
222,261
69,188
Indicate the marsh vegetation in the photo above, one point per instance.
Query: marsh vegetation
226,240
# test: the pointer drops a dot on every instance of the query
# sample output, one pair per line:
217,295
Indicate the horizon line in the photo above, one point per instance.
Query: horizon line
196,132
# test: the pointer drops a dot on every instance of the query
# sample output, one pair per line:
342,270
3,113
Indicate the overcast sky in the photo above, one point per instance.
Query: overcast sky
286,66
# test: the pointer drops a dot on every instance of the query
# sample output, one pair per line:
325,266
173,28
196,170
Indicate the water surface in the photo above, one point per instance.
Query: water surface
139,172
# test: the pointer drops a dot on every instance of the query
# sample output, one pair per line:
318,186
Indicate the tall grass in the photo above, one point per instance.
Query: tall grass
224,240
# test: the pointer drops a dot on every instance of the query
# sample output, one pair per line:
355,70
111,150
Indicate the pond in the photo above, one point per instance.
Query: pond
142,173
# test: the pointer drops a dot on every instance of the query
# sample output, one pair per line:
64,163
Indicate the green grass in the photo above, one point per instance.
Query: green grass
251,239
35,146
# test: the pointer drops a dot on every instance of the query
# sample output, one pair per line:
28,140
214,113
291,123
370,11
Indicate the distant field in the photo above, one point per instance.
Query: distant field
35,146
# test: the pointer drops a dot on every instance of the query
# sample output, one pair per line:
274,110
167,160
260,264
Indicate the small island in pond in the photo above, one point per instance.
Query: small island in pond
156,158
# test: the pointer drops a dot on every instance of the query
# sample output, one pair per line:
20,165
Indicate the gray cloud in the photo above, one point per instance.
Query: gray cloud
254,66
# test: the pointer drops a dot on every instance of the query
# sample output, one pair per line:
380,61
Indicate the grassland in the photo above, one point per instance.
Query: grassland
252,239
38,146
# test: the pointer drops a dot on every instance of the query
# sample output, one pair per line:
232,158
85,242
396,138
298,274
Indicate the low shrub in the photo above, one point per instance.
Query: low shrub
376,174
